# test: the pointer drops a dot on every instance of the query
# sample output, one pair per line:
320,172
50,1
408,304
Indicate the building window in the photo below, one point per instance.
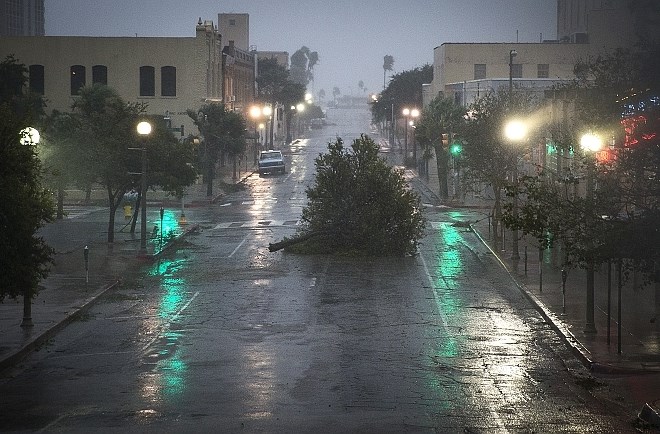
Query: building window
100,74
479,71
543,70
77,78
516,70
232,22
37,79
147,81
168,81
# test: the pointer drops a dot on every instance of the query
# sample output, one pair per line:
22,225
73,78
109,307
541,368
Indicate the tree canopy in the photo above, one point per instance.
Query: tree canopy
25,205
359,205
404,89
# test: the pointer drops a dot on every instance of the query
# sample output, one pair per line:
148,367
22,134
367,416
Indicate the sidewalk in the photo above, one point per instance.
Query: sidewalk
72,285
566,310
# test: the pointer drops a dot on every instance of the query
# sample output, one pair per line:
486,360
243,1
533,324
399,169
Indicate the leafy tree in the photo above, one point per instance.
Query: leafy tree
359,205
25,205
440,117
59,153
302,65
335,93
627,188
404,89
487,155
224,133
13,91
388,64
361,86
271,79
106,130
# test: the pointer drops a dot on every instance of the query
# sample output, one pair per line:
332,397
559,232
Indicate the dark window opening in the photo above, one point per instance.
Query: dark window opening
77,78
168,81
37,79
100,74
147,81
543,70
479,71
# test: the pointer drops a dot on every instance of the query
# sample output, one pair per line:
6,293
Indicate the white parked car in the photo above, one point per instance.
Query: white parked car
271,162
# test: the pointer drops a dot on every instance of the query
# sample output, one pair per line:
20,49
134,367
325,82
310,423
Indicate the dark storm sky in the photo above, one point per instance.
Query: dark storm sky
351,36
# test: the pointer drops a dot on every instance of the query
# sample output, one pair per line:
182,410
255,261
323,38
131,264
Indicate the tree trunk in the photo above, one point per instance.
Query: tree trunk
274,247
111,220
442,166
497,212
136,212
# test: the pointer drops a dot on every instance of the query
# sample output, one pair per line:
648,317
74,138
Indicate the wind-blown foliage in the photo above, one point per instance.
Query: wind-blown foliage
360,205
403,90
25,205
440,117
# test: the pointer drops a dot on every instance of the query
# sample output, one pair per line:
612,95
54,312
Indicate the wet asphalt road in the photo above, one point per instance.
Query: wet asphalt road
223,336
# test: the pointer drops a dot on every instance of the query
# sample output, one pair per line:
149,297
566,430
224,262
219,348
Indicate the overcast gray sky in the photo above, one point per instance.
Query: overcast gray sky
351,36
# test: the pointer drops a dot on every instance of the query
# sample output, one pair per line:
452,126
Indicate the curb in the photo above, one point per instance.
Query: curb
169,244
54,329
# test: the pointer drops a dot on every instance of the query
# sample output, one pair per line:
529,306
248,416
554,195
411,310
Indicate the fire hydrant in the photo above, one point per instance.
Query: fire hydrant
128,212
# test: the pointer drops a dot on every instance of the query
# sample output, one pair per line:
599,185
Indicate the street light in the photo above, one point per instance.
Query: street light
255,113
408,113
515,131
29,137
268,112
590,143
143,129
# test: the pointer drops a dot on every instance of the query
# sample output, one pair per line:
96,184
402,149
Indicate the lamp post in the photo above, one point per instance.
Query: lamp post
512,54
590,143
408,113
255,114
143,129
29,137
268,112
515,131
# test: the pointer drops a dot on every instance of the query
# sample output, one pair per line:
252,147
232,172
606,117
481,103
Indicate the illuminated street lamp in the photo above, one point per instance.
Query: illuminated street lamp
516,132
256,112
590,144
29,137
268,112
408,114
143,129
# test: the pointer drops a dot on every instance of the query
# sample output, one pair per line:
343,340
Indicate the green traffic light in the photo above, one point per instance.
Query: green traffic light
456,148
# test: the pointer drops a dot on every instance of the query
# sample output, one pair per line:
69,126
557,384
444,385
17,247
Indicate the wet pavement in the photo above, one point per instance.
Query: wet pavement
70,291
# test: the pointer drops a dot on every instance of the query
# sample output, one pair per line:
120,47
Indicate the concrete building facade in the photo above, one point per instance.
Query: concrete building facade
21,18
235,29
169,74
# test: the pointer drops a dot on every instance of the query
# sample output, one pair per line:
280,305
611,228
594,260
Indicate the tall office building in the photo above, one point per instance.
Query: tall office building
21,17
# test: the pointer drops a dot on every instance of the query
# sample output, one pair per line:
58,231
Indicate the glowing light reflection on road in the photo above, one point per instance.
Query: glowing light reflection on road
167,379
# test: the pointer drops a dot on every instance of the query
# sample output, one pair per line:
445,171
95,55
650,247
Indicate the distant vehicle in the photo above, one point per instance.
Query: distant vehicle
271,162
317,123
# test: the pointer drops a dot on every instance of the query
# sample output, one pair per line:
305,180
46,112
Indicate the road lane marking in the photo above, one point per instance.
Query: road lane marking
170,321
238,247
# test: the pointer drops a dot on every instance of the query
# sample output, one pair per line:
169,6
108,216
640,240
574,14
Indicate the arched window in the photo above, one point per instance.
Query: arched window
147,81
100,74
168,81
37,79
77,78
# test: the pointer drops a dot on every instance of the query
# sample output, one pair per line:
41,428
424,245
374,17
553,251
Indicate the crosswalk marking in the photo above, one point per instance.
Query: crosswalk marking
256,224
284,223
